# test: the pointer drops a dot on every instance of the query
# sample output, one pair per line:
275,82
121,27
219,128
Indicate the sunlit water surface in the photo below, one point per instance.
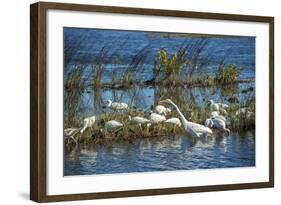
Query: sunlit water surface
162,154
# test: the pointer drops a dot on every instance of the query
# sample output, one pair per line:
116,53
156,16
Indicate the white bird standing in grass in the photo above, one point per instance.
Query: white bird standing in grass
139,120
244,112
88,123
156,118
116,105
69,133
190,127
209,122
217,124
162,110
220,107
174,121
215,114
112,124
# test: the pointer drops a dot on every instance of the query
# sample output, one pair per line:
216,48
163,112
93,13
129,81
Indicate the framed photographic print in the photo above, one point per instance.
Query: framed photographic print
134,102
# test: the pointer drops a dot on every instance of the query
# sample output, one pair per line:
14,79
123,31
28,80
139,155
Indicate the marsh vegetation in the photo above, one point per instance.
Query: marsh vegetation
142,69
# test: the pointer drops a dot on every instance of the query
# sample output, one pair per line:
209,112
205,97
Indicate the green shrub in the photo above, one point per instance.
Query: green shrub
169,68
228,74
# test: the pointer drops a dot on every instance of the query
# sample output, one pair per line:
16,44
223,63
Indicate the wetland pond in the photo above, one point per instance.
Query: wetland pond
162,154
112,52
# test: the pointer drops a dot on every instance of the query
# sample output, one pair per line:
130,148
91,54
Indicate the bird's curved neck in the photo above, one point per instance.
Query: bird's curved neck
184,121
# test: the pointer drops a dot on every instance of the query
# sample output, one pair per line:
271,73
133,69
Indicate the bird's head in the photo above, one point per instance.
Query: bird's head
210,102
108,102
166,101
209,123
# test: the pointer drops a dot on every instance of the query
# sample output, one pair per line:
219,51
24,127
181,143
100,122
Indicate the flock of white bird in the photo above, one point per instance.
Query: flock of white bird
215,121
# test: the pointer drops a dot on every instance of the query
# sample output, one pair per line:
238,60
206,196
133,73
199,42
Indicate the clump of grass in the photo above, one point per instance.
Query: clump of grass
72,100
73,80
168,68
242,115
97,76
201,81
128,79
228,74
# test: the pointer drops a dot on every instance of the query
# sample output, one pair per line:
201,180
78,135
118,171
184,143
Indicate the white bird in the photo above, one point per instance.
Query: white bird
156,118
209,122
174,120
112,124
215,114
70,133
190,127
244,112
217,124
139,120
217,106
162,110
88,123
116,105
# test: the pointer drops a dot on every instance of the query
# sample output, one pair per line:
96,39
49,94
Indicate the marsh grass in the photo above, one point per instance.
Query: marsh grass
244,120
73,80
228,74
171,70
131,131
128,79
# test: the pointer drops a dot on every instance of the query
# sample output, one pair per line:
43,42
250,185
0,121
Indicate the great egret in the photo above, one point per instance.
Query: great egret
217,124
69,133
162,110
138,120
190,127
216,114
88,123
112,124
173,120
116,105
209,122
244,112
217,106
156,118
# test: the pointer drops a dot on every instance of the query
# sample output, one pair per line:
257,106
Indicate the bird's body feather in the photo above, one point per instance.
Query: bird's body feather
156,118
112,124
88,123
117,105
139,120
192,128
174,120
160,109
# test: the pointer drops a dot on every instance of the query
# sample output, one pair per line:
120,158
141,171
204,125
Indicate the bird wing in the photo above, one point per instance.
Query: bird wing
192,132
199,128
218,123
224,105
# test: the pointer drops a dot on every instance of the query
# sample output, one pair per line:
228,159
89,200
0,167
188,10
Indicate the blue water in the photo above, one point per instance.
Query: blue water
84,47
166,154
